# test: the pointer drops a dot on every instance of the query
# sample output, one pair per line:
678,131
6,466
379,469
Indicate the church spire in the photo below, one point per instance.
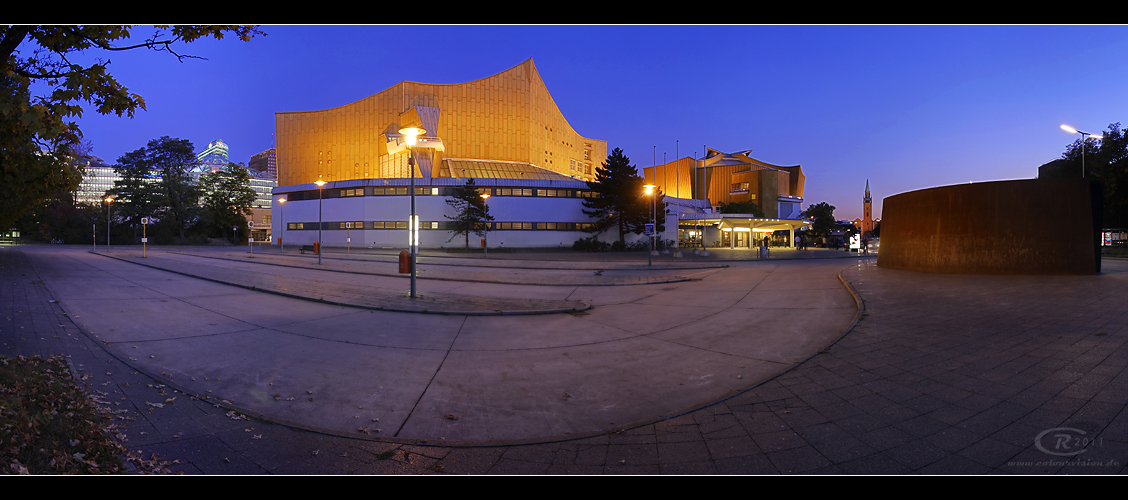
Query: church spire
867,189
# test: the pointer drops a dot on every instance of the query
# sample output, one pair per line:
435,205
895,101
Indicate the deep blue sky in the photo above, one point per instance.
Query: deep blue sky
907,107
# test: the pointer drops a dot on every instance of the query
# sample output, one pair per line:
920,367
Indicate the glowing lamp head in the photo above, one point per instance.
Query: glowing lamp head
281,200
320,183
109,200
1069,129
411,133
649,188
485,196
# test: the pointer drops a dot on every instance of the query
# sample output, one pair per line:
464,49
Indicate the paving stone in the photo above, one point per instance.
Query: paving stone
933,380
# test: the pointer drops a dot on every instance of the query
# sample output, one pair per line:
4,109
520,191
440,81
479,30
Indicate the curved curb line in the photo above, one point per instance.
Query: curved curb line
678,279
361,306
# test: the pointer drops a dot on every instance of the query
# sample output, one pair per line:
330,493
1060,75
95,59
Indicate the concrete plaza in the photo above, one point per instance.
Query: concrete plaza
806,362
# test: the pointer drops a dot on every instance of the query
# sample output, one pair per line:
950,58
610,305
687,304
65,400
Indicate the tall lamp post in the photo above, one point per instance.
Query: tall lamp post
410,135
1072,130
282,223
704,194
109,200
320,244
654,223
485,230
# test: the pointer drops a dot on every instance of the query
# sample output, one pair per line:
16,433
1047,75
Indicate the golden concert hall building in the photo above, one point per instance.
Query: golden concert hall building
504,131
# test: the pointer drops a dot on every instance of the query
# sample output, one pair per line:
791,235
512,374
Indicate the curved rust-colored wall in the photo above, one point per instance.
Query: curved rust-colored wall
1037,226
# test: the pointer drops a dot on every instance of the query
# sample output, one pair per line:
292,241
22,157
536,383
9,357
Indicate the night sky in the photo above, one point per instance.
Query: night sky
907,107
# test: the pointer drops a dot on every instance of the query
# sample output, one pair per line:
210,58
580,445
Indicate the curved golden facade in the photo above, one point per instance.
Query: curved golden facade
505,119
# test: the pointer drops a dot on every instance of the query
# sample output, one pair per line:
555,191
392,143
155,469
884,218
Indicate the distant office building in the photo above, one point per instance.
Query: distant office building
97,179
263,188
213,158
264,165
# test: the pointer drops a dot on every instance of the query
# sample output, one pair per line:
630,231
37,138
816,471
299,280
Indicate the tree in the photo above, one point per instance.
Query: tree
1105,161
471,212
620,201
156,183
227,200
822,217
36,136
138,193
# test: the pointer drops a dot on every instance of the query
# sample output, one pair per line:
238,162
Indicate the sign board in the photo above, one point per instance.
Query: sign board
144,240
348,225
251,240
145,220
250,223
649,231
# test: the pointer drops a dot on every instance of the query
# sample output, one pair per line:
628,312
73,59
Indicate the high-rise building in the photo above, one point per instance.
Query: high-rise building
264,165
213,158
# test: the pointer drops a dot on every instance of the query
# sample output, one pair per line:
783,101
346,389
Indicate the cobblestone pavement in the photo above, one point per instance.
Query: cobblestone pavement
943,374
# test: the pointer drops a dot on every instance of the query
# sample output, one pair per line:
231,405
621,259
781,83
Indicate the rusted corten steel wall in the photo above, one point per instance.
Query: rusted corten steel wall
1036,226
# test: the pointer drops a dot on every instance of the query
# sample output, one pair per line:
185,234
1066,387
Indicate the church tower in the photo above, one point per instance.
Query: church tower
867,209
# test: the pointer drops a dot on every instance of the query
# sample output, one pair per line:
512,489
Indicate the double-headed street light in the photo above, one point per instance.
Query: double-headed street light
320,244
1072,130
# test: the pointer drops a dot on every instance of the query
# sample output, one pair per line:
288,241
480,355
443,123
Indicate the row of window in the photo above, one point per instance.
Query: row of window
439,191
441,225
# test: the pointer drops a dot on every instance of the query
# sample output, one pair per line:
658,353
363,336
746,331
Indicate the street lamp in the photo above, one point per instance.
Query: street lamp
319,183
1072,130
485,230
653,222
704,194
282,224
109,200
410,135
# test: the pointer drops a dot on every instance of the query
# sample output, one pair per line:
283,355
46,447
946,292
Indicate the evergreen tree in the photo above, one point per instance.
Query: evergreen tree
620,202
472,213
